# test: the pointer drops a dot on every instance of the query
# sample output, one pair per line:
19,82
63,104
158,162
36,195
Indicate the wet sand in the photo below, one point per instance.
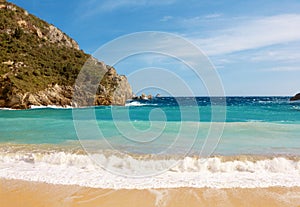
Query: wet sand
16,193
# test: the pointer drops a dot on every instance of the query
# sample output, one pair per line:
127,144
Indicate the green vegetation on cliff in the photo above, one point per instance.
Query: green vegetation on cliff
29,58
39,65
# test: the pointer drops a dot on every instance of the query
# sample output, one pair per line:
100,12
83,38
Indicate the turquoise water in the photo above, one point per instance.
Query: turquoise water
248,142
253,125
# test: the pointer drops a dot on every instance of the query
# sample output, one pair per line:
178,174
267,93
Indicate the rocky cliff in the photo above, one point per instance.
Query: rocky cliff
39,65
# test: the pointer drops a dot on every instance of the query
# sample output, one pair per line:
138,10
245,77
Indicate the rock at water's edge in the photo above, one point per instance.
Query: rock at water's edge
114,90
295,98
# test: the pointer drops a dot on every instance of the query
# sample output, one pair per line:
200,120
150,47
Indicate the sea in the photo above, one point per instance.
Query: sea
165,142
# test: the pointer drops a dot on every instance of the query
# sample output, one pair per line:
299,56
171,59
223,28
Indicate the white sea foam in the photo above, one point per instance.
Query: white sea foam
296,107
50,106
136,103
79,169
7,109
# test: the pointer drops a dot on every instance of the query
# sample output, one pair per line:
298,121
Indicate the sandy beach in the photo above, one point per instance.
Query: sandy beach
22,193
149,103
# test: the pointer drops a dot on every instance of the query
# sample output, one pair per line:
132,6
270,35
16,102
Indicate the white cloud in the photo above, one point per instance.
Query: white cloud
213,16
110,5
252,34
166,18
191,22
283,69
281,54
285,54
209,21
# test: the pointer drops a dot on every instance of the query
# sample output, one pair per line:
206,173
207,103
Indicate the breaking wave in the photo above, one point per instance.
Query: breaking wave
59,167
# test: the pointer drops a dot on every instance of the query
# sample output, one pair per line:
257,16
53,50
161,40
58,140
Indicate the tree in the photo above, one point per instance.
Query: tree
18,33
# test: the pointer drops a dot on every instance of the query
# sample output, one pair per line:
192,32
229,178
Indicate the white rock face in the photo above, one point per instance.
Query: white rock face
56,36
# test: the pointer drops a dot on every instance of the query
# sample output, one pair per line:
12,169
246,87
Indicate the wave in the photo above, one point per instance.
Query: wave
242,163
136,103
297,107
110,169
7,109
50,107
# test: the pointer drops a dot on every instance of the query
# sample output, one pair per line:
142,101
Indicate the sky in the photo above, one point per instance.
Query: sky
254,45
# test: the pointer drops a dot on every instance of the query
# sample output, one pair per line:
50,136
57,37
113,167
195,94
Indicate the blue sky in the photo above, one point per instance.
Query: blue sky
254,45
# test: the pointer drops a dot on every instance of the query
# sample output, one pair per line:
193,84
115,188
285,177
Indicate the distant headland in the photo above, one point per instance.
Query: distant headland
296,97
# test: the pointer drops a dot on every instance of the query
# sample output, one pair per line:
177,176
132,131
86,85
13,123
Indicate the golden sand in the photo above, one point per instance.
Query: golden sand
16,193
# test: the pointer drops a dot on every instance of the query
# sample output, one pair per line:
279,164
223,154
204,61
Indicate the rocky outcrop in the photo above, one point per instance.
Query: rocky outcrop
295,98
39,28
54,95
142,97
113,89
97,88
39,65
54,35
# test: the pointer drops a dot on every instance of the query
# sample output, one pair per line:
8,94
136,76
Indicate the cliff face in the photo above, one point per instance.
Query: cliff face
39,65
116,92
18,21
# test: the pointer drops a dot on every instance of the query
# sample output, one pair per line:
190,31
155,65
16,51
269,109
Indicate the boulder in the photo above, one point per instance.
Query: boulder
143,97
295,98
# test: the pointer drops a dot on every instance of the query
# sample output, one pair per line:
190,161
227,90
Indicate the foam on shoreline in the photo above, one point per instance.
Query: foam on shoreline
51,107
109,169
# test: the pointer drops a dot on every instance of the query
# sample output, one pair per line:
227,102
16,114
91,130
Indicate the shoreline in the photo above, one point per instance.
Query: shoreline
24,193
66,165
